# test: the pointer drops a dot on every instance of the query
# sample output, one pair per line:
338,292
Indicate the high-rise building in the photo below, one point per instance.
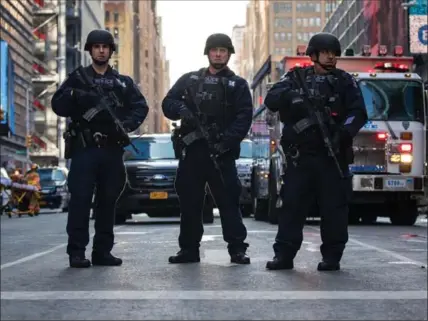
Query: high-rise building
384,22
16,70
273,30
238,41
118,19
151,59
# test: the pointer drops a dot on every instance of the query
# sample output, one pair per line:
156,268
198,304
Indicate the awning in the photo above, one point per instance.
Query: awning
263,71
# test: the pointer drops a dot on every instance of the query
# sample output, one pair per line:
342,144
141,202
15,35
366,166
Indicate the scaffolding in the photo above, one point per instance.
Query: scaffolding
49,30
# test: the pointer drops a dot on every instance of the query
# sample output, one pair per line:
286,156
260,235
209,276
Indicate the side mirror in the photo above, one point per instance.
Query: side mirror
174,125
127,155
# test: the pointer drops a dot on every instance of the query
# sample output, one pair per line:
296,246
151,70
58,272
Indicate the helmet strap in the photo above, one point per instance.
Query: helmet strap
325,67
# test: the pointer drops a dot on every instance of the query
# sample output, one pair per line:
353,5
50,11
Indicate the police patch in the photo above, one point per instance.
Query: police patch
211,80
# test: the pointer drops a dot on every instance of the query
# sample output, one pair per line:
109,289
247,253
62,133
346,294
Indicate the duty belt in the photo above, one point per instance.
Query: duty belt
191,137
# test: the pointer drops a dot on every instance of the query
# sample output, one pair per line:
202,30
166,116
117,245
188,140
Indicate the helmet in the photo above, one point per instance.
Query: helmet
99,36
324,41
218,40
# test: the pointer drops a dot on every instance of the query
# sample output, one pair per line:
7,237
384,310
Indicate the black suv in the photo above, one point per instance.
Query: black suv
54,189
151,176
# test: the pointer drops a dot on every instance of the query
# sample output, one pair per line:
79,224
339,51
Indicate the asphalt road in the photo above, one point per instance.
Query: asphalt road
383,276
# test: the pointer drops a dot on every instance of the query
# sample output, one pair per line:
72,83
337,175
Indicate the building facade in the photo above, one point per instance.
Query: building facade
238,41
118,19
16,79
374,23
273,30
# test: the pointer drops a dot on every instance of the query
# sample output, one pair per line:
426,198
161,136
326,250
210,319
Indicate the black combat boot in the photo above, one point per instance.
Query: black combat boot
328,266
279,263
239,258
185,256
79,261
106,259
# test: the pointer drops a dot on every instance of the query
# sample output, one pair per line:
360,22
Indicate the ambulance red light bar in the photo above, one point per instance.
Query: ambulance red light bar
398,51
382,51
391,66
301,50
366,52
303,64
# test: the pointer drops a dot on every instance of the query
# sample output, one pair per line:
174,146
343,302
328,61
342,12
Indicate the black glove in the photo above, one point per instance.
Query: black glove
186,115
342,138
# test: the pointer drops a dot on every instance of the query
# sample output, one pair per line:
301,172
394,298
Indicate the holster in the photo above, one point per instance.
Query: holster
177,144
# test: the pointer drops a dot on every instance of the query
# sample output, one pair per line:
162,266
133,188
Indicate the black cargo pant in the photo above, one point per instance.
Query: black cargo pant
103,168
194,171
315,178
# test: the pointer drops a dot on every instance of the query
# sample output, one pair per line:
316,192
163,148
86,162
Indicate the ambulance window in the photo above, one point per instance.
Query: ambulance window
391,99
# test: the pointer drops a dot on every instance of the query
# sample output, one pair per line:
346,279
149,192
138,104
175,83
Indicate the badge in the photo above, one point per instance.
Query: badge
405,124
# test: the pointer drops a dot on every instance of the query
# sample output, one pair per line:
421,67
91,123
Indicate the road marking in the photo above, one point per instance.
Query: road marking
36,255
400,257
131,233
213,295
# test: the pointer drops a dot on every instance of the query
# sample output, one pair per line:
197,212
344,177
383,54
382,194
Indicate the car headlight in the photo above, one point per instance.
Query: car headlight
59,189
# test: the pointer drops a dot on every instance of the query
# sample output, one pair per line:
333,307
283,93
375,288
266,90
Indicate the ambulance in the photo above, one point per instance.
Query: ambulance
389,167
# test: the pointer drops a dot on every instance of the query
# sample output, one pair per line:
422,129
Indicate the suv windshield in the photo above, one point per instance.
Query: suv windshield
390,99
151,149
246,149
50,174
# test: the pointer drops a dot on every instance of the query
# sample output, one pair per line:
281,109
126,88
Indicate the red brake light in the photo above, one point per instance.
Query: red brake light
406,148
381,136
398,51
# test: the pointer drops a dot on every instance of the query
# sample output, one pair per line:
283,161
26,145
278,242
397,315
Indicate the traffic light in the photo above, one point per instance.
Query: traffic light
1,114
28,141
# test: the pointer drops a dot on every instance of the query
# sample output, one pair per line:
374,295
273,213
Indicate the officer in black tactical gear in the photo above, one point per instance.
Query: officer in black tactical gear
322,110
215,109
102,111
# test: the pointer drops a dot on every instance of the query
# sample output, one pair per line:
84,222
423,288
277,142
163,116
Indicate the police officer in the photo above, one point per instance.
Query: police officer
220,101
96,145
313,174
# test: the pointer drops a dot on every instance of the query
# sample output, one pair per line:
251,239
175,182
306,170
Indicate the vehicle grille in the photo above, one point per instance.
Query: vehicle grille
369,151
152,179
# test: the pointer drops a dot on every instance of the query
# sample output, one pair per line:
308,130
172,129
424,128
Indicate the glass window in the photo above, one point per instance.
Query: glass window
116,32
246,149
50,174
282,7
107,16
116,65
399,100
116,17
151,149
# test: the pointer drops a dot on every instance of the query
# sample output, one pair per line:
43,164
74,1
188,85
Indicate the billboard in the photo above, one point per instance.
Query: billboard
418,28
7,89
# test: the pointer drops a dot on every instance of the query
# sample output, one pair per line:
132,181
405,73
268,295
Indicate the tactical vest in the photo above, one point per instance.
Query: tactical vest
212,92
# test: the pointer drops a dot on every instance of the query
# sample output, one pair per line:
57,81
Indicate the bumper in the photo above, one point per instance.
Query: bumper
141,202
52,201
387,183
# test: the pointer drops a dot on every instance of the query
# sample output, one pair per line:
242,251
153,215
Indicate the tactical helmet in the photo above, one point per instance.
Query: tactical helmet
99,36
324,41
218,40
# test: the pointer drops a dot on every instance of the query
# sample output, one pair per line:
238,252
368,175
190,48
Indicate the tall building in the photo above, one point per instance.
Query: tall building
16,70
151,58
238,41
382,22
118,19
273,30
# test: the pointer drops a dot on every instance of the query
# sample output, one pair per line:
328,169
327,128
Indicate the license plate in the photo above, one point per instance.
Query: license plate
395,183
158,195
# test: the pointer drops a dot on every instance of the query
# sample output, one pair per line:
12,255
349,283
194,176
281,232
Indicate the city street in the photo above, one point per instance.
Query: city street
383,275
